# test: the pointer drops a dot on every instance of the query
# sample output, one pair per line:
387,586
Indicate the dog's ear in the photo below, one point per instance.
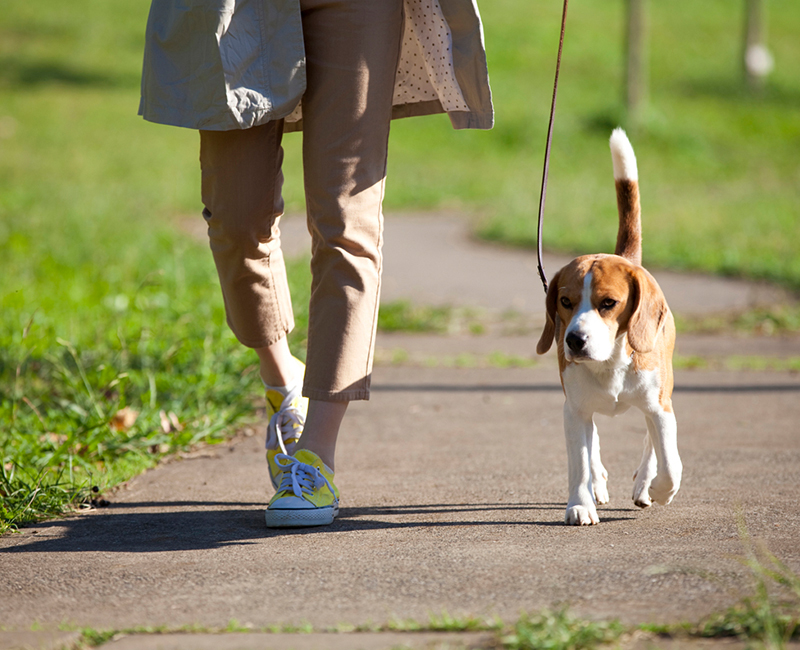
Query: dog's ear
649,311
546,340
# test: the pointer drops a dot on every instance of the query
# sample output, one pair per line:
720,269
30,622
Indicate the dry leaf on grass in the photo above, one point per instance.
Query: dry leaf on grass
169,422
124,419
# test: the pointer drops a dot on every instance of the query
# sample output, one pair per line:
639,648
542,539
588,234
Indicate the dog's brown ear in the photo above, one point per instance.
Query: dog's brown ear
649,312
546,340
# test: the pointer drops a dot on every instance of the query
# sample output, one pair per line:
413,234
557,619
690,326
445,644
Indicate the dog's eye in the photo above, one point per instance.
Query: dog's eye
566,303
608,303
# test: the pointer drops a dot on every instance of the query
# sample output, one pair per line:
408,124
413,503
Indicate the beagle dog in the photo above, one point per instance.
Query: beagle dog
615,336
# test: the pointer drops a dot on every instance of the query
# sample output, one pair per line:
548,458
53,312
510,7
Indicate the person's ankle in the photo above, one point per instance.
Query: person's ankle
281,378
325,455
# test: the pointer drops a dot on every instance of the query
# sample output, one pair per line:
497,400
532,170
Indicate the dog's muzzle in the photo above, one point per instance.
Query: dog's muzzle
576,343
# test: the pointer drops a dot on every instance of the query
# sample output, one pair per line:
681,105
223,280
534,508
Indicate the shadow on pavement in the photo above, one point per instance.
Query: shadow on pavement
467,388
556,388
754,388
115,531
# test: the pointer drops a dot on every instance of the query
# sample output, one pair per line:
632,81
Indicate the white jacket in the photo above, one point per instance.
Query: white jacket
232,64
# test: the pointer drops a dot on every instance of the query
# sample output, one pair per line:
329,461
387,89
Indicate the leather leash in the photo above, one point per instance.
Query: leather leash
543,193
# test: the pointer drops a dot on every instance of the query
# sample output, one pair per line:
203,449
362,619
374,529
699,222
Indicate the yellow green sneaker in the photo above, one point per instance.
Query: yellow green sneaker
306,494
286,410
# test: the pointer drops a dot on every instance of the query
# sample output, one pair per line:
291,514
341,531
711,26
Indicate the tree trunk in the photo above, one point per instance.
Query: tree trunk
756,59
636,62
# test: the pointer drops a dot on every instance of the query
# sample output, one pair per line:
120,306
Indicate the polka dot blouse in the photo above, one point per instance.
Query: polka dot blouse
425,71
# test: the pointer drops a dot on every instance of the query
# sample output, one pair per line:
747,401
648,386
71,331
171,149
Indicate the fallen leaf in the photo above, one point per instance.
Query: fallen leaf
176,423
166,425
124,419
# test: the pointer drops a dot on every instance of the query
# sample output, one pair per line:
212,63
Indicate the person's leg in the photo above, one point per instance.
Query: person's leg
241,189
352,47
322,429
241,192
276,363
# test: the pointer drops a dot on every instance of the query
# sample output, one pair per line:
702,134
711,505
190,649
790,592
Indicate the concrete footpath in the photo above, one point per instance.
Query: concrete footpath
453,482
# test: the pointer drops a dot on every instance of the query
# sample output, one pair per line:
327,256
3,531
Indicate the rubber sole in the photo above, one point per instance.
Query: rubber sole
301,517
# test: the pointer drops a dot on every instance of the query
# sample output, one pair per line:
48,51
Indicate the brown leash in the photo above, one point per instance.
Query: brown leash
543,193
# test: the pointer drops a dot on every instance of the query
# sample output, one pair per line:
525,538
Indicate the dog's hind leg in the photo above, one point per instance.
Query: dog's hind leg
599,472
663,430
644,475
579,431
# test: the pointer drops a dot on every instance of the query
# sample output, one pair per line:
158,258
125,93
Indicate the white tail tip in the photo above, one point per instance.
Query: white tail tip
623,157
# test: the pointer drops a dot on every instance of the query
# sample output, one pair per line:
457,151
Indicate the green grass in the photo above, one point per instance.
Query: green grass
720,174
760,623
107,307
155,347
402,316
560,631
775,320
556,630
738,363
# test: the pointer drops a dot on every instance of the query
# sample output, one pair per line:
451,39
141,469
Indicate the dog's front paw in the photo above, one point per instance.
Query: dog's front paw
581,516
663,489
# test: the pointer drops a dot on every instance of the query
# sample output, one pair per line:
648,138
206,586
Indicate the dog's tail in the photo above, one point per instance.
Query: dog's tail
626,179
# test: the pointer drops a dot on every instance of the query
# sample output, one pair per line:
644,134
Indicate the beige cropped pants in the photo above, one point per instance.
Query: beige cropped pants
352,47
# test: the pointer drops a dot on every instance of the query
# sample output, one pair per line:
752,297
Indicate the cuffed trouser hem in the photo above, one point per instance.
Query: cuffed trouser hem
342,396
262,343
241,191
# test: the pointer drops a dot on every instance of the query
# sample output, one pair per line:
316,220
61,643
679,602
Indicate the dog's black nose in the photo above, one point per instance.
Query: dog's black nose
576,342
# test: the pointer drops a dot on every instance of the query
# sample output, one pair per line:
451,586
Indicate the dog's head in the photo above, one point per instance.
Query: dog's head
594,300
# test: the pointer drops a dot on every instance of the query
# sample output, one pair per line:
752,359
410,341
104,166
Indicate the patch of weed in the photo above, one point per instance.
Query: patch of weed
771,615
737,363
558,630
762,321
402,316
496,359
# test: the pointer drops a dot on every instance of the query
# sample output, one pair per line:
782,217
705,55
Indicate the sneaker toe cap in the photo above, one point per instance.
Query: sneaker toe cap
291,503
